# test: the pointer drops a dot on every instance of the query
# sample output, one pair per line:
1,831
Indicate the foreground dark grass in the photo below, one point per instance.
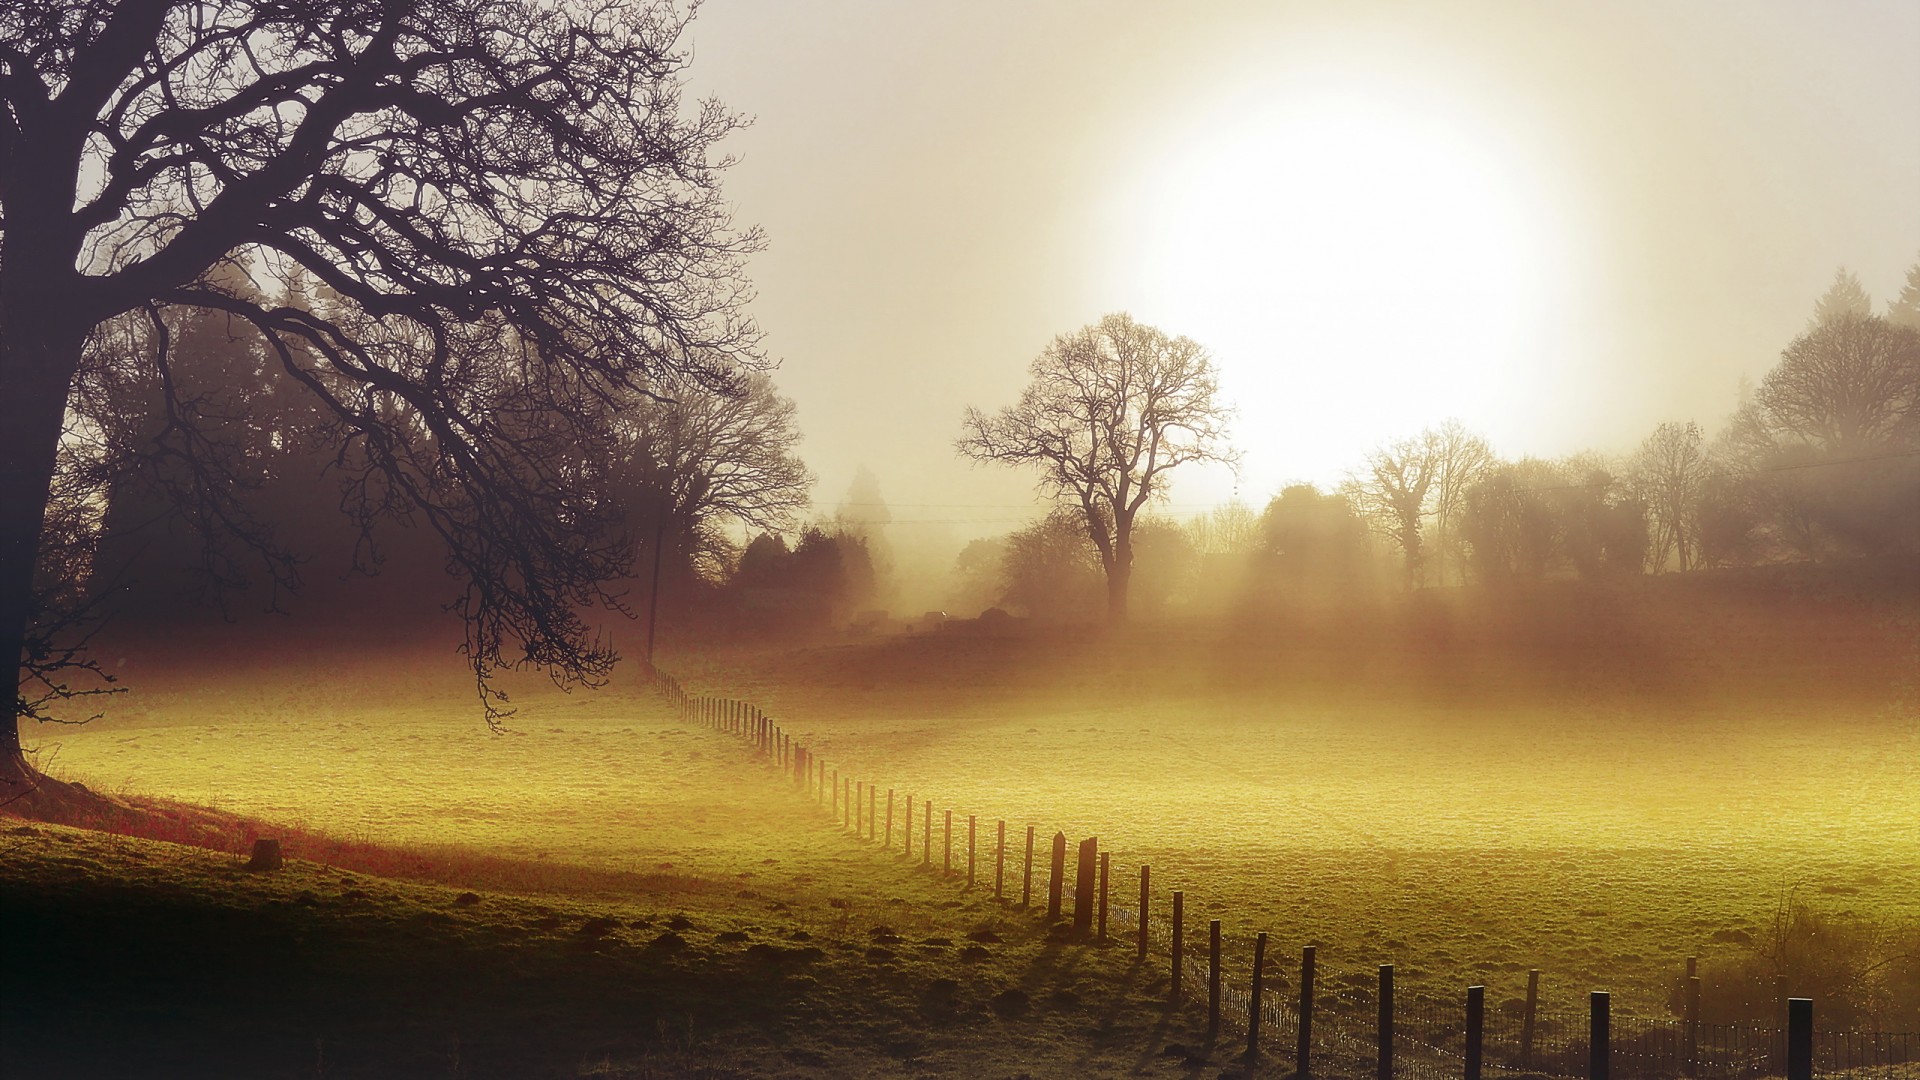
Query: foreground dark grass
128,957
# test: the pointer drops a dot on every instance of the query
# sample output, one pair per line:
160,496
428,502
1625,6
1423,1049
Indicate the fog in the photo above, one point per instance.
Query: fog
1659,193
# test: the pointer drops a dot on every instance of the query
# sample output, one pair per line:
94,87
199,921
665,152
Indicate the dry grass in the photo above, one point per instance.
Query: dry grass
1465,791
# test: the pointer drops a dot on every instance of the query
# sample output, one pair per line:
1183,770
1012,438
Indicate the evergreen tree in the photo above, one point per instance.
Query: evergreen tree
1904,310
1844,299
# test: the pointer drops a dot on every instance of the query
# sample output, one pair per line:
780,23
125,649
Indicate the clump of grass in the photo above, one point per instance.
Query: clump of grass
1862,973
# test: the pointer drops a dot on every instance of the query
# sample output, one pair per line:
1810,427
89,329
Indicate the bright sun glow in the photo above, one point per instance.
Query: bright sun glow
1361,266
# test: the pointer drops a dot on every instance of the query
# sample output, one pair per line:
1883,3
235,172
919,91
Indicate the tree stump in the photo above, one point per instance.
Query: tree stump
266,855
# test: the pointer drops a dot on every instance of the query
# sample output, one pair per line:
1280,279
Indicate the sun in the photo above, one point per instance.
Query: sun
1361,265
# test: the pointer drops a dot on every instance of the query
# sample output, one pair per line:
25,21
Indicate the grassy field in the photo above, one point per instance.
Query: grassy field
1466,797
608,892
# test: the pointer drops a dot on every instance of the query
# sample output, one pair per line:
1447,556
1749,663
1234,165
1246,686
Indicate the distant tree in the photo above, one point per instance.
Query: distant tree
1391,493
1051,569
1669,473
1601,524
835,570
1847,386
1845,299
691,469
822,578
1460,460
1229,529
864,513
1409,481
1111,410
1904,310
1509,523
1821,459
1165,564
1315,544
766,563
977,570
519,222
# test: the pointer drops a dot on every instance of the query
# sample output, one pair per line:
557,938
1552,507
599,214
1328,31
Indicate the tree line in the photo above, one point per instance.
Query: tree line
1821,460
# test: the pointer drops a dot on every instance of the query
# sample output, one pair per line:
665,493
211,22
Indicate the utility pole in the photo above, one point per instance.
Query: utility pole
653,595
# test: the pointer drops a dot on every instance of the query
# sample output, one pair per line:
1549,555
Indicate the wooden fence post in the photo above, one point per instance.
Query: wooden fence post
1178,966
926,837
873,810
1253,999
1383,1030
1303,1046
859,802
1083,887
888,842
1799,1039
906,834
1526,1022
1213,980
836,793
1599,1036
1106,857
1145,876
946,853
1026,879
972,848
1000,860
1693,1023
1476,1028
1056,884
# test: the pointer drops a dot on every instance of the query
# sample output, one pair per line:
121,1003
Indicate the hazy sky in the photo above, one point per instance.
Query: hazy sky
1561,223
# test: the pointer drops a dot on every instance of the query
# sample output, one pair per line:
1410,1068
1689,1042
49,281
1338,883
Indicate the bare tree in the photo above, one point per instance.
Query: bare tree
1669,474
1460,459
514,214
1231,528
691,468
1426,476
1392,494
1112,409
1849,385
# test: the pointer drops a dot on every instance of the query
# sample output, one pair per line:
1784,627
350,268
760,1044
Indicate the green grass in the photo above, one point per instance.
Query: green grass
129,957
1522,794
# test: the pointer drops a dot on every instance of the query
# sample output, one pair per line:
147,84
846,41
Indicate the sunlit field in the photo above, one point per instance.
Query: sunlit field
1466,835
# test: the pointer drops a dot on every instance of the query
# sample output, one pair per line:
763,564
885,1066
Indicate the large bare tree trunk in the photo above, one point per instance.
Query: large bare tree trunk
40,344
1119,578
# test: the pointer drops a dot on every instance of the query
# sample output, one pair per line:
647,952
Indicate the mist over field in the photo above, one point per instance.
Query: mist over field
1072,540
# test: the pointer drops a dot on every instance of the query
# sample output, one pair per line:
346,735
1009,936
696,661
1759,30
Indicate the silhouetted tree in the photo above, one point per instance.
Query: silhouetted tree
1460,459
1904,310
1849,385
977,570
1845,299
1509,523
1051,569
688,470
864,513
519,223
1315,544
1669,473
1229,529
825,576
1111,410
1601,524
1391,493
1426,476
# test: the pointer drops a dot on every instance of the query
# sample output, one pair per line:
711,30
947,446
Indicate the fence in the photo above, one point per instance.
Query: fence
1331,1023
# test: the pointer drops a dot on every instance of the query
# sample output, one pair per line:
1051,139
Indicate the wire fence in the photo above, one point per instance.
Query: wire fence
1338,1028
